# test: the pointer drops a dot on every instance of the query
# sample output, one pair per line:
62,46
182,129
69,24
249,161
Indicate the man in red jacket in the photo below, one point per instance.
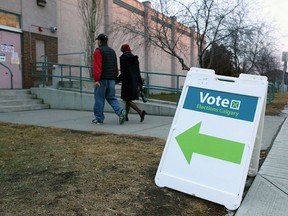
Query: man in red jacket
105,73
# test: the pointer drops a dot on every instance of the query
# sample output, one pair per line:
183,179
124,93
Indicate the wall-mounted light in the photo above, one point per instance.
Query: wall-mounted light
41,3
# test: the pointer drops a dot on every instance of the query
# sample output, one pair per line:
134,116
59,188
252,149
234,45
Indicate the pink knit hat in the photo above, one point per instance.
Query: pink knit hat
125,48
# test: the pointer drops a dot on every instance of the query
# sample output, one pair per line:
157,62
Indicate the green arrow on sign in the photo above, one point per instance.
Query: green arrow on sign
191,141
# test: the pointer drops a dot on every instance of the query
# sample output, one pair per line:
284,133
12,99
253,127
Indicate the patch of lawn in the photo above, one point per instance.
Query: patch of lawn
49,171
277,104
164,96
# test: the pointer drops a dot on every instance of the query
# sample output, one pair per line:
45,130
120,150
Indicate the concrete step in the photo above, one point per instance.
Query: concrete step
17,96
20,100
7,92
4,109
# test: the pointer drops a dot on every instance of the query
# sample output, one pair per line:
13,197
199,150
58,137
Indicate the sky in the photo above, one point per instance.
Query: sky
277,11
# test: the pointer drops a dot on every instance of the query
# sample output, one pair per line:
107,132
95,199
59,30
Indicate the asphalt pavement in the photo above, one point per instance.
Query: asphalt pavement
268,194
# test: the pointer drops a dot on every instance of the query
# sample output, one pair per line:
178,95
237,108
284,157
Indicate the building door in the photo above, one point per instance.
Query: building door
10,56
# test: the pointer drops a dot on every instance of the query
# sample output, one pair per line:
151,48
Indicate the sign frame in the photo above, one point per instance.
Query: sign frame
185,167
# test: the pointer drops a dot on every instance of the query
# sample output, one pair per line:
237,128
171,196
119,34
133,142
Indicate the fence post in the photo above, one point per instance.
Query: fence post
55,76
177,90
81,80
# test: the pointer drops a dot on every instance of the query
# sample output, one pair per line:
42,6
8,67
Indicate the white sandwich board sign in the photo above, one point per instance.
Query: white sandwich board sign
211,140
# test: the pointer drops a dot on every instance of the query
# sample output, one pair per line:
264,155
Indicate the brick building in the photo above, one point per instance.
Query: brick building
27,34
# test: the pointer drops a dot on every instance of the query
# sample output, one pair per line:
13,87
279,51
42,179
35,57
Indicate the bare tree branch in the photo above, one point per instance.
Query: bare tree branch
158,33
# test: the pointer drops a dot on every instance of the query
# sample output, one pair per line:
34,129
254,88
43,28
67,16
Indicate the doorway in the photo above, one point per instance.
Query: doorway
10,56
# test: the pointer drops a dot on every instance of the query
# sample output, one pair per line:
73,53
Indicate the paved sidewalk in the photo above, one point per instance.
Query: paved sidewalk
156,126
268,194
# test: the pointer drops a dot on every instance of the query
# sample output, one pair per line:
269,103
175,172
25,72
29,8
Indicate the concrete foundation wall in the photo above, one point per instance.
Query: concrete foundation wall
60,99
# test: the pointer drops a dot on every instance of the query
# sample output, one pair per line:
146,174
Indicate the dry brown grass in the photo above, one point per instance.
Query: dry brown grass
278,104
48,171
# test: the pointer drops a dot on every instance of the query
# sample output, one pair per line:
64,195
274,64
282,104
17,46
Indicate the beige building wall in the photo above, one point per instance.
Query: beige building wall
151,58
117,37
13,6
70,33
65,15
33,16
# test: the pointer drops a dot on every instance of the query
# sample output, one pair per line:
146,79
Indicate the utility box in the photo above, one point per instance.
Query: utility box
217,125
284,56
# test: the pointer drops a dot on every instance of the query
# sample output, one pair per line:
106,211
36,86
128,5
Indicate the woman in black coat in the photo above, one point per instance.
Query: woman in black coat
131,80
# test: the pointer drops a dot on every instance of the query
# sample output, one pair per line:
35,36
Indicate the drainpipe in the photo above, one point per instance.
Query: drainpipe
107,15
147,46
173,58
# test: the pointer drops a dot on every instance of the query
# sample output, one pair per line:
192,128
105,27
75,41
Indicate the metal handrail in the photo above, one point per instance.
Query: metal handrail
65,54
174,89
38,69
147,74
270,93
11,74
42,66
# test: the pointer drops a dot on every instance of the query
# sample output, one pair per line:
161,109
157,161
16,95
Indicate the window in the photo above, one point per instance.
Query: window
8,19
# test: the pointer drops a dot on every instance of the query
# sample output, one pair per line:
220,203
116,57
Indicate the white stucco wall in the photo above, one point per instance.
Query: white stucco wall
34,15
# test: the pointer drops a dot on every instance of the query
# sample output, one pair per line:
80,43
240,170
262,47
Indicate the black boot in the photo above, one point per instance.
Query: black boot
142,116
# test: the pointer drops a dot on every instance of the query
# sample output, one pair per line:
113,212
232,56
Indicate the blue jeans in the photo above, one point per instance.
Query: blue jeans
105,91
